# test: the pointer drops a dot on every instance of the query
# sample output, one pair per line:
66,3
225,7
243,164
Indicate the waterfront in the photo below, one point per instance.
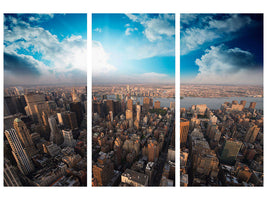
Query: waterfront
215,103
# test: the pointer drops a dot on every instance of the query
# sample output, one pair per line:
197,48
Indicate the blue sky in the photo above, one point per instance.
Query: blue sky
221,48
133,48
45,49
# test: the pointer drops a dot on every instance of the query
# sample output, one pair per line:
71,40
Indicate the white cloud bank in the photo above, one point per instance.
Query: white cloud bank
100,60
208,29
220,65
67,58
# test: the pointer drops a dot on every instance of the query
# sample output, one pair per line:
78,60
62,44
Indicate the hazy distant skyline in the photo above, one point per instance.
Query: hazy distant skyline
133,48
221,49
44,49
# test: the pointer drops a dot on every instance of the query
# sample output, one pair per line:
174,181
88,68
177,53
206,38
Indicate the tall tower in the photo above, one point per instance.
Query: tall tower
138,111
184,128
24,136
252,134
75,97
35,105
68,138
76,107
129,115
146,102
130,104
23,161
55,135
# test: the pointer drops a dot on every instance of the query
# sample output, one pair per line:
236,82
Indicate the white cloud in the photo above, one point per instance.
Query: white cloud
206,29
155,28
220,65
65,56
231,24
129,30
195,37
100,60
149,50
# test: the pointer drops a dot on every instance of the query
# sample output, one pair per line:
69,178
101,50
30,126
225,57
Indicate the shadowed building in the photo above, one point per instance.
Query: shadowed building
23,161
184,128
24,136
230,151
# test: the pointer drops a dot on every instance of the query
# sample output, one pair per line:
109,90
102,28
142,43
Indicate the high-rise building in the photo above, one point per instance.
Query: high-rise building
98,108
230,151
10,174
184,128
109,106
35,106
76,107
129,114
67,119
25,137
146,102
68,138
75,96
23,161
103,170
130,104
152,150
10,105
251,134
157,105
55,136
138,112
252,105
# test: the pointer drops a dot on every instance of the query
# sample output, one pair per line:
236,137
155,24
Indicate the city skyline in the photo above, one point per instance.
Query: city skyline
45,49
133,48
221,49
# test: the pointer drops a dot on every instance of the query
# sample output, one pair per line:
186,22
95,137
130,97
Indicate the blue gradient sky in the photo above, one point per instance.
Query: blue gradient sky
45,49
221,48
133,48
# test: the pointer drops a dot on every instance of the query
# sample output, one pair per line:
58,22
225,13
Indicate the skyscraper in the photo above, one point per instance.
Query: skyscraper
10,174
184,128
55,136
129,114
103,170
230,151
24,136
146,102
68,138
77,108
74,95
251,134
23,161
138,112
35,106
130,104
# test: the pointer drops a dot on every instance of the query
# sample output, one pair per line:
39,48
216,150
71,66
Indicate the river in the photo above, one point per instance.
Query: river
215,103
